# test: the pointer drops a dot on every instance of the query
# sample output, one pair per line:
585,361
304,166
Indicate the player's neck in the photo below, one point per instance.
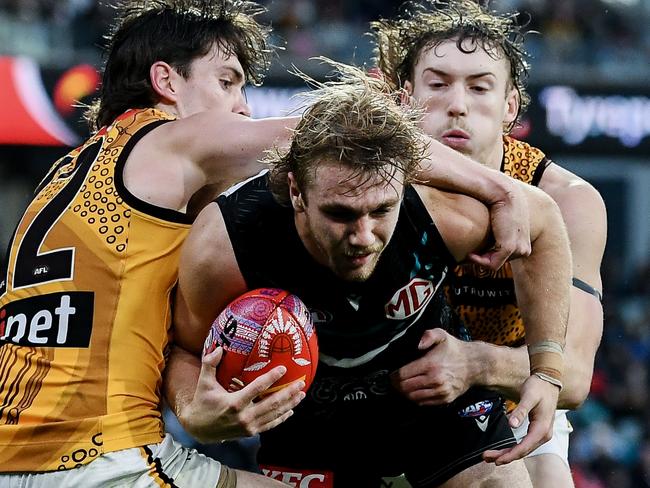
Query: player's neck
493,157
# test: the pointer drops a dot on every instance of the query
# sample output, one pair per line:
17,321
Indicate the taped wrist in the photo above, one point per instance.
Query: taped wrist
547,361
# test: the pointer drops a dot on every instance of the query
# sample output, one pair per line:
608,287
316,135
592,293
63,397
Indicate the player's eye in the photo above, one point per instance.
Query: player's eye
340,215
381,211
226,83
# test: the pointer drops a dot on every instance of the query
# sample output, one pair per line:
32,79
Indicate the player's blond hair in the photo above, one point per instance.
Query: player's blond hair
177,32
423,25
355,120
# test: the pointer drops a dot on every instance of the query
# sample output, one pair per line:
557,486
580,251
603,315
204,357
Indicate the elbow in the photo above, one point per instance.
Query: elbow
574,394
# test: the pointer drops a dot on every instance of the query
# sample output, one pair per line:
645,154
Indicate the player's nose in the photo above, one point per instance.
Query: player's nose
457,100
241,107
361,234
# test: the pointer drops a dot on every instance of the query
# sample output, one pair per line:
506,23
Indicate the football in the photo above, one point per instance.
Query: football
260,330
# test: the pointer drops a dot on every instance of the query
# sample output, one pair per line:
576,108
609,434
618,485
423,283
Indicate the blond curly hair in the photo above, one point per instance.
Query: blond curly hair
353,119
423,25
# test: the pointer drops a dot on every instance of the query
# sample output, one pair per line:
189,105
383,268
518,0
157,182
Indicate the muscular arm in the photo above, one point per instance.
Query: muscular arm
448,169
207,150
543,278
543,291
584,213
209,279
585,216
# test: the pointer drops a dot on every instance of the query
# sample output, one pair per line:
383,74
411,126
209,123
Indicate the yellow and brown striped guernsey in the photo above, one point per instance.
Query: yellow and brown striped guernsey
84,310
485,299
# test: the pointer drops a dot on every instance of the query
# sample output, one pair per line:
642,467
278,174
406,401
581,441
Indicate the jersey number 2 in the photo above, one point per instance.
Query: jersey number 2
31,267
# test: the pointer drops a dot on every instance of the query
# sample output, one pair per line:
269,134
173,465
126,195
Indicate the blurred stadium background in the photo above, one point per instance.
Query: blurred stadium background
590,86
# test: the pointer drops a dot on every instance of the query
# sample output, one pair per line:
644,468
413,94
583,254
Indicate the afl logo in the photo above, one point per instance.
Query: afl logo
478,409
410,299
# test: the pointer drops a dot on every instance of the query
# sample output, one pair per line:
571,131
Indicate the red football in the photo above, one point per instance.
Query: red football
260,330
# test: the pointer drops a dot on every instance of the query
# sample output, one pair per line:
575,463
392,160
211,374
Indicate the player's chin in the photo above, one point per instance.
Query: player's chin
349,270
356,275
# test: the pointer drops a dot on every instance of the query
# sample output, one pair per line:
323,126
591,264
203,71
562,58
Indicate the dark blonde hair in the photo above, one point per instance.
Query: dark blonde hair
177,32
423,25
356,120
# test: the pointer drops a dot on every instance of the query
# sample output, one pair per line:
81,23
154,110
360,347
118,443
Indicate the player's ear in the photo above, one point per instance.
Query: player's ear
408,87
162,77
295,194
406,93
513,100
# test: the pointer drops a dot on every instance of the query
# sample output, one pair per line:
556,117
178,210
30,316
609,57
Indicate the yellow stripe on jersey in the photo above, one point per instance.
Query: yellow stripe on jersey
85,310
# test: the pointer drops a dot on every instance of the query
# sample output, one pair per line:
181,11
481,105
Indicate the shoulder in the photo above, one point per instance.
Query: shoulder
206,236
571,192
463,222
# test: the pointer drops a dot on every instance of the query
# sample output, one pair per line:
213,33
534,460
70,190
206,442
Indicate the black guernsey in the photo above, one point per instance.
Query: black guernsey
365,331
355,322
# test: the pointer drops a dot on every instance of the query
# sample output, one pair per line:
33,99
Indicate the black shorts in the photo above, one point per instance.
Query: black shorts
360,430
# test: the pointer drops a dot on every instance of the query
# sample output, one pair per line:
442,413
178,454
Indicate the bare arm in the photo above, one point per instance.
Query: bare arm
543,294
208,149
448,169
208,280
453,368
585,217
543,280
222,144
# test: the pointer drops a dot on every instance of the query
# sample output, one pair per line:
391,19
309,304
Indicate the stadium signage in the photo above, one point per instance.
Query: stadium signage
575,118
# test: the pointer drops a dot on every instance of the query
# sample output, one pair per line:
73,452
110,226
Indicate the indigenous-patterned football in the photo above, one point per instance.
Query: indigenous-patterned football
260,330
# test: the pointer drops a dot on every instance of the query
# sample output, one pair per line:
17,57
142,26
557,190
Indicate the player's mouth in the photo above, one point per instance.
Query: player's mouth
358,260
455,138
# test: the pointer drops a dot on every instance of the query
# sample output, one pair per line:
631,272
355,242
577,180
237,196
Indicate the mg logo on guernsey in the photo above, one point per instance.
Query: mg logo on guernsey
54,320
411,298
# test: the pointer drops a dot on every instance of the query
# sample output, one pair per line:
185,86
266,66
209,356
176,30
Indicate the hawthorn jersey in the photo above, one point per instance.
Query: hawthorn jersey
84,309
365,331
484,299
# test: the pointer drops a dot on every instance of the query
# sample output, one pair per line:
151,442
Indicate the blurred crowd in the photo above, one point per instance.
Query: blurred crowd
610,446
590,36
604,40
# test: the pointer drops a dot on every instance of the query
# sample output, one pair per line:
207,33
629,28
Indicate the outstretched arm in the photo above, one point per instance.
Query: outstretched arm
208,151
448,169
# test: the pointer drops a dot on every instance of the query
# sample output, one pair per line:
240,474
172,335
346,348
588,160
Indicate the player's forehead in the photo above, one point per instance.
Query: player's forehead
338,183
471,57
221,57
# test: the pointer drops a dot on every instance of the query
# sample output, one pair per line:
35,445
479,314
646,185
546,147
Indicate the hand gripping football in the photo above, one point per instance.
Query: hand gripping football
260,330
